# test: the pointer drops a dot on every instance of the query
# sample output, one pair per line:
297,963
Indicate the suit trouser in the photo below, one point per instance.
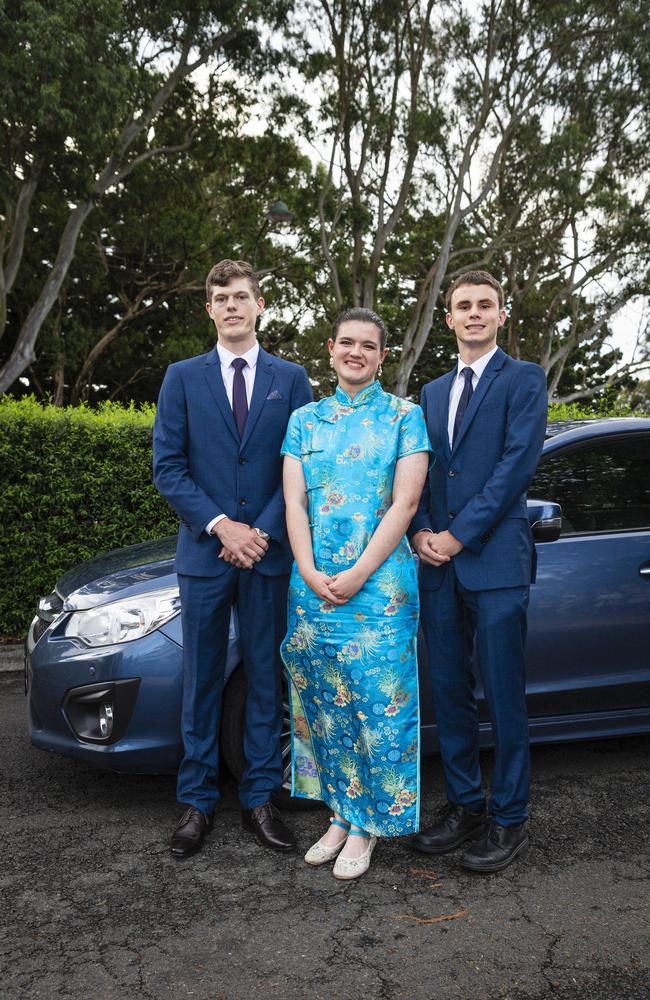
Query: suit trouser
206,603
456,621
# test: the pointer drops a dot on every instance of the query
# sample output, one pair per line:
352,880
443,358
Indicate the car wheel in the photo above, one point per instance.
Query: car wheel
231,739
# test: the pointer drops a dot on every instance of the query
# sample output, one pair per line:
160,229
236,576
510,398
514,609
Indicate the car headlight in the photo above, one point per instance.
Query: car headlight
124,621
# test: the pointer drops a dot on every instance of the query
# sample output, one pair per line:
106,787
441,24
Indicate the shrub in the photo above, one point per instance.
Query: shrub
74,482
581,411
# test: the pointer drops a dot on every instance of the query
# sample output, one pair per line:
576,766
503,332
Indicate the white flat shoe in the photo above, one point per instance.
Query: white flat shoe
320,853
347,868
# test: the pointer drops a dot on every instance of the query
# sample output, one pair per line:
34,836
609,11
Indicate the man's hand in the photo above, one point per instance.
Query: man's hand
228,557
347,583
242,547
320,583
425,544
445,546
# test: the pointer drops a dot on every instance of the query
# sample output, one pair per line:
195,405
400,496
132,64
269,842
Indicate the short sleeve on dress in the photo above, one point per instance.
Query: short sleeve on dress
293,437
413,435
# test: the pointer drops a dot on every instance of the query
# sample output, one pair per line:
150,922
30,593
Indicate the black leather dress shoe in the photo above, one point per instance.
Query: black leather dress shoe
192,829
455,825
264,821
497,849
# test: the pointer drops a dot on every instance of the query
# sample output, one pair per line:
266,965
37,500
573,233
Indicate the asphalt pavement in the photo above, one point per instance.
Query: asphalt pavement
93,905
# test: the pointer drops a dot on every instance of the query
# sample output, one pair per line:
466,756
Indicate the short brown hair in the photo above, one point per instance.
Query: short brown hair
475,278
221,273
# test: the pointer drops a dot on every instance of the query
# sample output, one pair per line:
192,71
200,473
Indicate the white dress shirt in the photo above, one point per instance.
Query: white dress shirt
478,367
226,358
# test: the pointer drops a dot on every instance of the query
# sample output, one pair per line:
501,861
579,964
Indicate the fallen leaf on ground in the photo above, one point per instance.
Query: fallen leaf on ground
431,920
424,873
427,873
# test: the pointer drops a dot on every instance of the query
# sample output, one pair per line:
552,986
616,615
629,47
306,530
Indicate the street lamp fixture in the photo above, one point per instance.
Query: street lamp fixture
279,214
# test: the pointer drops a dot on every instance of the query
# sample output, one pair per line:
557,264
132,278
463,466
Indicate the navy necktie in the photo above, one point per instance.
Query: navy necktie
463,402
239,401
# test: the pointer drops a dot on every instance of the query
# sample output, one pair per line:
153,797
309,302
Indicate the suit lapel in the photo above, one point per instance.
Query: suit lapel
441,414
494,365
261,386
212,372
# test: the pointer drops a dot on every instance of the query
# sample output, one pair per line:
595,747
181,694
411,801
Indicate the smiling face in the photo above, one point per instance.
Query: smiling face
234,309
475,317
356,354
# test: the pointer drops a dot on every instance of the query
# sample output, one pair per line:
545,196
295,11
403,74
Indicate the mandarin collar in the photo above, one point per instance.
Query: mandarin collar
364,396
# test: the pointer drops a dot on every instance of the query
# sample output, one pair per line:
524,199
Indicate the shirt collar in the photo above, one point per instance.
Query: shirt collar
226,357
478,366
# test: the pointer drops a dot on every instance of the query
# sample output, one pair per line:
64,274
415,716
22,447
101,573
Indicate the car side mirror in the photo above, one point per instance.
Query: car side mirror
545,519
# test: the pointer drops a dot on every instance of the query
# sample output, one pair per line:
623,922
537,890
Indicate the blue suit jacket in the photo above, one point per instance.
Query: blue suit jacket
203,469
478,490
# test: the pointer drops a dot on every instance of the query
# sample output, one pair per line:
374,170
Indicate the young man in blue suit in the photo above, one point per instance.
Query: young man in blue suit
220,423
486,421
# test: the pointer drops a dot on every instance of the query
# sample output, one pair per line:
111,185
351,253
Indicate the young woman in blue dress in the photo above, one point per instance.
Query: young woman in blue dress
355,464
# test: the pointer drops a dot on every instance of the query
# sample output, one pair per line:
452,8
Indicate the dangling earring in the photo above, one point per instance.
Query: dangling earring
380,371
331,361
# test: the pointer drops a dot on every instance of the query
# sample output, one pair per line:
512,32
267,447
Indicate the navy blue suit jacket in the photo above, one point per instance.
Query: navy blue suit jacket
203,469
478,490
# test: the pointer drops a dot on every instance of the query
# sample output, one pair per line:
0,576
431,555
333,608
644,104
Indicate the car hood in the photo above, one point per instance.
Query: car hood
125,572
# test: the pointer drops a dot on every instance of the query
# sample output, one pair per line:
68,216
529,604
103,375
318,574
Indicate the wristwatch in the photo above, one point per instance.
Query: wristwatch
263,534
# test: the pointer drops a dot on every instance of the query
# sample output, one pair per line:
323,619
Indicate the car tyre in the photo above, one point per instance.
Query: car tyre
231,739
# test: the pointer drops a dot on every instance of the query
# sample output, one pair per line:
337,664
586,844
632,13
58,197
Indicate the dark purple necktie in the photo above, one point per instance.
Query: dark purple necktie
239,401
463,402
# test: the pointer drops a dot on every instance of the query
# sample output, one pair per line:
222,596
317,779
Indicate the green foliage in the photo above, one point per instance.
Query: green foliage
96,98
582,411
140,265
75,482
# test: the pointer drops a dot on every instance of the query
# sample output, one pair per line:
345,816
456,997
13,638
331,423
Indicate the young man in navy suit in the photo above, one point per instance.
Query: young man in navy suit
486,421
220,423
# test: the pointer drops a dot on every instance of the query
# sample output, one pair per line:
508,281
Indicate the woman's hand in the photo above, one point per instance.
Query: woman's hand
320,583
347,583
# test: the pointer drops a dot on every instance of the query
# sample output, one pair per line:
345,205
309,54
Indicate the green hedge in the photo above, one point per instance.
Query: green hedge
580,411
74,482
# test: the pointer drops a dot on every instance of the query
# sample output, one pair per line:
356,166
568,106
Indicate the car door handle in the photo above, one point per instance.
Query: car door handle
644,569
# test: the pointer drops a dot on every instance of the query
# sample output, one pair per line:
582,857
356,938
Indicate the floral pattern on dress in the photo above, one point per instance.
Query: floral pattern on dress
352,669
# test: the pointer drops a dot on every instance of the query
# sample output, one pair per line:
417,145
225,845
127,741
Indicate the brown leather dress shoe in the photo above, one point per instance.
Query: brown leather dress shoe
264,821
192,829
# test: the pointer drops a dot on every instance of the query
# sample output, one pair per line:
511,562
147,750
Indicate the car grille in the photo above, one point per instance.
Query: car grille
49,608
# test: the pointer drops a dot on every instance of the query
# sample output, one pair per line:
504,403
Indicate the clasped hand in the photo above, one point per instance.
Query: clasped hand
242,546
337,589
436,549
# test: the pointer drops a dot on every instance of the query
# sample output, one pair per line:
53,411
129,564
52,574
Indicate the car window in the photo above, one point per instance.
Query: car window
602,486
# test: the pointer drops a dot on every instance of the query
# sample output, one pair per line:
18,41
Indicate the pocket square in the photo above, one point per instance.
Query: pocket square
275,395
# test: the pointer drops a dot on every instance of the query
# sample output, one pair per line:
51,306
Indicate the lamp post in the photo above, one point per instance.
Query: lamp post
277,215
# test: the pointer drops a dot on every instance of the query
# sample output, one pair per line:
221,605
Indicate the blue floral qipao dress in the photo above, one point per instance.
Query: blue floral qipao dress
352,668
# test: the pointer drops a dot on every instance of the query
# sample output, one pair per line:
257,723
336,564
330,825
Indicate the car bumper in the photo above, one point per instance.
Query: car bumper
68,684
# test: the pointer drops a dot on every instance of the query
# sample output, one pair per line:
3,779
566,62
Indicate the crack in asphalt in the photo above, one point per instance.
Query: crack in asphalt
94,905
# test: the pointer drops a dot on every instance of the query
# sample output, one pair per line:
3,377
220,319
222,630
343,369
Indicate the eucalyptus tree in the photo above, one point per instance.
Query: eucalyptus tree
421,109
133,298
577,187
85,89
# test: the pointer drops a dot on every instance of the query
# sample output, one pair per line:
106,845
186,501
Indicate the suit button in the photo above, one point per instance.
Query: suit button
242,503
452,473
242,461
451,514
